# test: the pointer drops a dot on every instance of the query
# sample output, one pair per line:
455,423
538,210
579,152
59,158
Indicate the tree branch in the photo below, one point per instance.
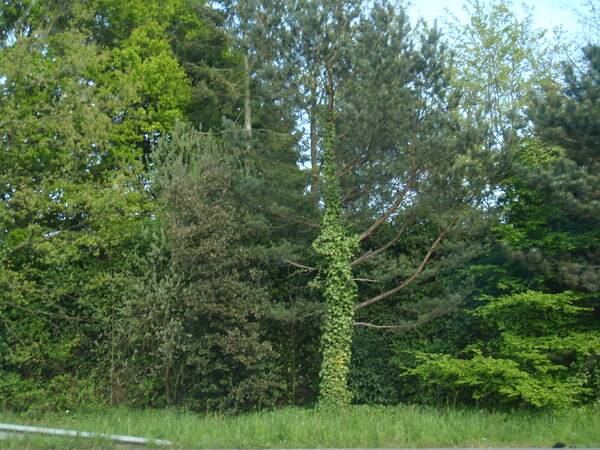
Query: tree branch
392,208
371,253
350,167
31,242
39,312
416,323
415,275
370,325
300,266
290,218
366,280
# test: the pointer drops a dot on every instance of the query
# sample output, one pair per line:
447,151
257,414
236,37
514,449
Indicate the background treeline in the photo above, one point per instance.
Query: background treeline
189,190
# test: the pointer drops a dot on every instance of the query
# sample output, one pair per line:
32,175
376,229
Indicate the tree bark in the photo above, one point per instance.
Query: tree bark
247,102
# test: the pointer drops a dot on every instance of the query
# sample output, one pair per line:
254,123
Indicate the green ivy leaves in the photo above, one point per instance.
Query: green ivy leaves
337,247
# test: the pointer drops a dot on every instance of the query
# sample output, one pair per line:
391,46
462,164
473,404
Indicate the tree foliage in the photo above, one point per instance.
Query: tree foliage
237,204
500,59
197,309
543,352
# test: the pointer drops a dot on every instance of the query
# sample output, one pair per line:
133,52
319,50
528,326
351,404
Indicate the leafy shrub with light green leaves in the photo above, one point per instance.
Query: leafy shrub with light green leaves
542,351
61,393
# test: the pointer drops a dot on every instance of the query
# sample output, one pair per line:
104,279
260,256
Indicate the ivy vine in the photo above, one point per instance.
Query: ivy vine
337,247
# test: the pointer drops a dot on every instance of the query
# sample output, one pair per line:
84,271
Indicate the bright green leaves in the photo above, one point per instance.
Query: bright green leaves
501,57
143,70
493,380
534,313
539,344
77,112
543,353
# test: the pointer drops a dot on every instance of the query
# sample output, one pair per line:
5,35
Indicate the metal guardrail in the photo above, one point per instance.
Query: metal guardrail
132,440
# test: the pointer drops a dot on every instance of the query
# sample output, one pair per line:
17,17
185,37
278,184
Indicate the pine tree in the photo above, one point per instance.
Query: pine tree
547,276
569,120
390,145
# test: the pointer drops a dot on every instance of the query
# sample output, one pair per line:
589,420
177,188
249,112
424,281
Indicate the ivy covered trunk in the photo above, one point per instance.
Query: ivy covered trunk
337,247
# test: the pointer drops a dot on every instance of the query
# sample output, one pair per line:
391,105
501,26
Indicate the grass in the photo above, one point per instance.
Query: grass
357,426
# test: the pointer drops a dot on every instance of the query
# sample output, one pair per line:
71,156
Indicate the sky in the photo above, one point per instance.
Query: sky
547,14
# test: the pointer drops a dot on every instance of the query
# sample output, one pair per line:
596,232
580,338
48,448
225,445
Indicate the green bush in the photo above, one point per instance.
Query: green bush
61,393
542,352
371,377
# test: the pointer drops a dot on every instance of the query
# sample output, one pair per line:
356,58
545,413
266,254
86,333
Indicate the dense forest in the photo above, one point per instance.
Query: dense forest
242,204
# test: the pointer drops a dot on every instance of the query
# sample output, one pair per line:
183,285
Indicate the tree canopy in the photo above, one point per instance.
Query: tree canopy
250,203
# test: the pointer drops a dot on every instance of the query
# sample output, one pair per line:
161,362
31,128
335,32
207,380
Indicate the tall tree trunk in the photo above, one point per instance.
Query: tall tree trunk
314,161
338,248
247,103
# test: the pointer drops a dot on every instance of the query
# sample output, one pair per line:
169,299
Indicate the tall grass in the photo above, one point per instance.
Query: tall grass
358,426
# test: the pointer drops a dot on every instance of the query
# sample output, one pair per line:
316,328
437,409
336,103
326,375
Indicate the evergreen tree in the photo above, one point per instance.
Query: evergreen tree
390,146
547,278
569,120
273,186
197,300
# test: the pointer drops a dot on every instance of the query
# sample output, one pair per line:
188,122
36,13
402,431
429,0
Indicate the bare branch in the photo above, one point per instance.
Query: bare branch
300,266
292,219
417,273
366,280
353,165
371,253
441,160
49,237
416,323
392,208
343,172
38,312
370,325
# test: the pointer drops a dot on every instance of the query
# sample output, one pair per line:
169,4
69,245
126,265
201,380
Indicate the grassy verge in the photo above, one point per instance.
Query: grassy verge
402,426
